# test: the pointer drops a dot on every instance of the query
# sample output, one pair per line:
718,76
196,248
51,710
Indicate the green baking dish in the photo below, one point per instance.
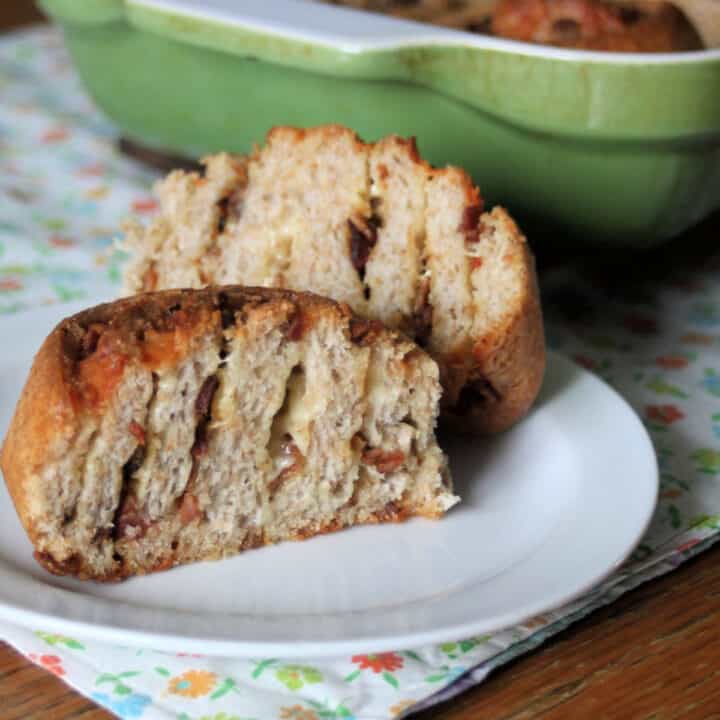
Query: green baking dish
610,148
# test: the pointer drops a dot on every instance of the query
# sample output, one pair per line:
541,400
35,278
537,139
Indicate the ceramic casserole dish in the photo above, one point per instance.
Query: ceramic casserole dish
610,148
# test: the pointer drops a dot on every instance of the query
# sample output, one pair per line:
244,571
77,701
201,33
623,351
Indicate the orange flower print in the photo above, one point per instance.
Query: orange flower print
94,170
193,683
53,135
695,338
97,193
388,662
672,362
59,241
9,284
664,414
689,544
52,663
146,205
297,712
400,707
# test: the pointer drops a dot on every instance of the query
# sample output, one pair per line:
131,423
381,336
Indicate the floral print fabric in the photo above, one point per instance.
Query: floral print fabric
64,190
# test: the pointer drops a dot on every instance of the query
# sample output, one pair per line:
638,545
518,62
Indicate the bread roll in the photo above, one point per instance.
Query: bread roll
189,425
374,226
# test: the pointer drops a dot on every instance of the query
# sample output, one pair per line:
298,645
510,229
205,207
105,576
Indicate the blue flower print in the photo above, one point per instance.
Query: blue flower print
705,314
711,382
128,707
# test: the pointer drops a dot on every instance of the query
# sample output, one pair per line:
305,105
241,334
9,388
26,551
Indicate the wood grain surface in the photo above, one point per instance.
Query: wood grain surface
652,655
14,13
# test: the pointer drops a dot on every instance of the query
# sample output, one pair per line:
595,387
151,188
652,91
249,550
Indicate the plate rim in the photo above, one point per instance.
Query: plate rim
102,631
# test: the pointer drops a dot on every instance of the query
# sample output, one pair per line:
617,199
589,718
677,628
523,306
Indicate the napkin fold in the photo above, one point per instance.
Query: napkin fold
64,189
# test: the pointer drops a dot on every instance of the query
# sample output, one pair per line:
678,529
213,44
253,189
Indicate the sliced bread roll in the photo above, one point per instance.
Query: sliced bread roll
376,227
189,425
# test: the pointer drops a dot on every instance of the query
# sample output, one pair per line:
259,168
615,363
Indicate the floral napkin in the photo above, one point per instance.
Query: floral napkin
64,189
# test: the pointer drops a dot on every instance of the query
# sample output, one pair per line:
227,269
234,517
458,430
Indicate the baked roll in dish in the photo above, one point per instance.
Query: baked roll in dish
374,226
640,26
188,425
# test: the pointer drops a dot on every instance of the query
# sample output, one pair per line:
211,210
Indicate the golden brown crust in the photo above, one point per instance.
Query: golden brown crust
45,413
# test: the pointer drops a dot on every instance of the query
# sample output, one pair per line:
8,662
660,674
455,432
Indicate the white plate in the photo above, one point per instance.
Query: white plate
549,509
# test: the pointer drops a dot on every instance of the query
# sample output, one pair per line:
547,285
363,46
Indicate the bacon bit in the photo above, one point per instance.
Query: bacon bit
133,464
138,431
362,332
131,521
422,317
200,446
362,241
289,452
146,205
223,207
470,223
384,461
476,263
383,171
205,396
189,509
296,326
203,403
358,442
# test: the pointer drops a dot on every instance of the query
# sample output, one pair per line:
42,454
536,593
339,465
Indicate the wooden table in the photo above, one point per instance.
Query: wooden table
652,655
